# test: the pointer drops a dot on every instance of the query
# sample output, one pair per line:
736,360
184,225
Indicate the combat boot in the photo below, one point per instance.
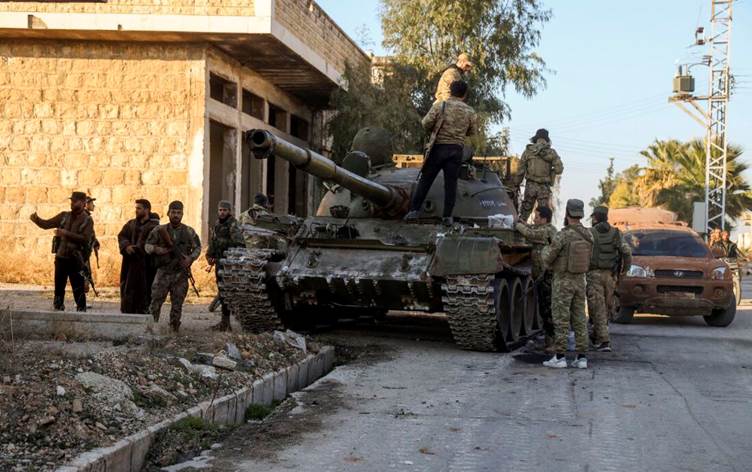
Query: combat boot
411,216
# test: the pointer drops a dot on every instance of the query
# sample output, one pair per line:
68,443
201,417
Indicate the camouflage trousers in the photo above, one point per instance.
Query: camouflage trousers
601,285
534,192
174,283
568,308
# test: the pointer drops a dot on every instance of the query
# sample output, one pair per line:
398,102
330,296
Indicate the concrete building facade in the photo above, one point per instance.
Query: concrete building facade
129,99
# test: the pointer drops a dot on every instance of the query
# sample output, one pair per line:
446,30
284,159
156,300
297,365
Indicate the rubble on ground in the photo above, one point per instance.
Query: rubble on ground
57,401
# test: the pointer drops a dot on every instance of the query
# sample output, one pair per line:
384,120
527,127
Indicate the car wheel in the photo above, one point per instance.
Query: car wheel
721,318
625,315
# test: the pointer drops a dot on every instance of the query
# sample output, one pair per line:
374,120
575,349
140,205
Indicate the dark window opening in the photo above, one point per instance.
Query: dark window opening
278,117
253,105
222,90
299,127
666,243
222,169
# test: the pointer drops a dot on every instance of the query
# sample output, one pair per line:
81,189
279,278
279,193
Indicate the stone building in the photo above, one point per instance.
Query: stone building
129,99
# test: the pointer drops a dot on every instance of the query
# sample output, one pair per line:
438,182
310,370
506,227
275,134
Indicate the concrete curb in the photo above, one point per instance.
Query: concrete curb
129,454
80,325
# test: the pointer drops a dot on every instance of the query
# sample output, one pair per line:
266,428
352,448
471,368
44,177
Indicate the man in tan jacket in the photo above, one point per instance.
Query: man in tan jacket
455,72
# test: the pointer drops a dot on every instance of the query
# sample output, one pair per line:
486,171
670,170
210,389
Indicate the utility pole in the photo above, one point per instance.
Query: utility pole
715,117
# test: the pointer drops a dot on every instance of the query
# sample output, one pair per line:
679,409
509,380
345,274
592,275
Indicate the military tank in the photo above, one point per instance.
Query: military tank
356,255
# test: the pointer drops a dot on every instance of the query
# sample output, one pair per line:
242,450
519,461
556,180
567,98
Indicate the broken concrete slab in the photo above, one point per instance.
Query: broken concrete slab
57,324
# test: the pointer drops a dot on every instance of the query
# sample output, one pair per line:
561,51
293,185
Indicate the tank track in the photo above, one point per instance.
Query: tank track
469,307
243,287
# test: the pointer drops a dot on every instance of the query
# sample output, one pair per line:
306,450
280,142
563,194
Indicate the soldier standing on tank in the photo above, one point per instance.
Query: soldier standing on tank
568,256
539,167
454,73
74,231
225,235
540,235
611,258
450,123
175,247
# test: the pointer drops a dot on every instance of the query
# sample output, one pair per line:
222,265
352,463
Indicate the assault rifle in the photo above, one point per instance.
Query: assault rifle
176,252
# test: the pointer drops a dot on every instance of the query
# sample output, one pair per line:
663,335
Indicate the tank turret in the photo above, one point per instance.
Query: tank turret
392,199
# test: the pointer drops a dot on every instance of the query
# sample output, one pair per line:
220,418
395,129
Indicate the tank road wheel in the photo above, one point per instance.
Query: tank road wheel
531,307
471,309
516,309
502,304
248,291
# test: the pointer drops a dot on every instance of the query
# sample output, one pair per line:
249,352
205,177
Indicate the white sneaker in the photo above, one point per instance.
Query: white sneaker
556,362
580,363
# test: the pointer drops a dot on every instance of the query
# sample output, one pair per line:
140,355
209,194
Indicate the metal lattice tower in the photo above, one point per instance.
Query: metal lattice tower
715,117
716,152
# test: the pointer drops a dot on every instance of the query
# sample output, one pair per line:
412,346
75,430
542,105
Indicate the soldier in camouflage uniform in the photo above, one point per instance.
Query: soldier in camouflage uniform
539,167
569,258
175,247
260,208
450,122
454,73
612,256
258,237
226,234
540,235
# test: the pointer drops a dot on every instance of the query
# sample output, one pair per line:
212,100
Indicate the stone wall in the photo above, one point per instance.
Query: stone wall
121,121
316,29
153,7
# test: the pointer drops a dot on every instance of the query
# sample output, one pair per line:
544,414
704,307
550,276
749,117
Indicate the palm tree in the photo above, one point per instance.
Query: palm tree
674,178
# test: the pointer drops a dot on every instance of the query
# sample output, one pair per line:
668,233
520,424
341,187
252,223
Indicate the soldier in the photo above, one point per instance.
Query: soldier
724,247
611,257
74,231
568,257
260,207
539,167
175,246
541,235
450,121
454,73
226,234
137,271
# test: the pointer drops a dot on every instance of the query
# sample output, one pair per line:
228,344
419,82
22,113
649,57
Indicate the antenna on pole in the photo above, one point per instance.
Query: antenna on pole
714,118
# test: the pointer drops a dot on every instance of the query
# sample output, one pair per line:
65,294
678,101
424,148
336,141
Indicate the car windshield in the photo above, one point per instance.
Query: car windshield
666,243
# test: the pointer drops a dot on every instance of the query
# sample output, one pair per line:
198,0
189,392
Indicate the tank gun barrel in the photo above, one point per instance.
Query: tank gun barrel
264,144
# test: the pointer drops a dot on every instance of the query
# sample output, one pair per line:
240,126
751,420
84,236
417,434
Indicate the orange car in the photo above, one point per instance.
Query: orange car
674,273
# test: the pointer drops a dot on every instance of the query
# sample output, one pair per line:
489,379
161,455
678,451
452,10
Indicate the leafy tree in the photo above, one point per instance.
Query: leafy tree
674,178
424,37
606,186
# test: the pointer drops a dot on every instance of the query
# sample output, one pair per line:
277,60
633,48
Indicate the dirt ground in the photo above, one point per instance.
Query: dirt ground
48,415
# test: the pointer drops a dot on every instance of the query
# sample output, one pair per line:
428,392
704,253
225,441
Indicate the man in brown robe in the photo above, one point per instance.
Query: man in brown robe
138,270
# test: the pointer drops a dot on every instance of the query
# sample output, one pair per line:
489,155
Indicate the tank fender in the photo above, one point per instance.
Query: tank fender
467,255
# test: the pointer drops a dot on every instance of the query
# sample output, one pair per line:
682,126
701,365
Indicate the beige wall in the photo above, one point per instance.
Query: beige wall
121,121
317,30
154,7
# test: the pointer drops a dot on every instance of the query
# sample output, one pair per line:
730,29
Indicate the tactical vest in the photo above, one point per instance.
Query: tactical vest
605,248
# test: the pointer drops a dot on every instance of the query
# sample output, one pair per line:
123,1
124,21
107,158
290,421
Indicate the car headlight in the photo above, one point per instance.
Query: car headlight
640,272
719,273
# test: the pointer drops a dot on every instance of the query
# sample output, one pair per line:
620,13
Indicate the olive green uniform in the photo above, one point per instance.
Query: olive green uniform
539,237
539,167
171,277
225,235
568,290
611,256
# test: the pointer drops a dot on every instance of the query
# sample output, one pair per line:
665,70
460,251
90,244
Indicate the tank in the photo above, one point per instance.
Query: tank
356,255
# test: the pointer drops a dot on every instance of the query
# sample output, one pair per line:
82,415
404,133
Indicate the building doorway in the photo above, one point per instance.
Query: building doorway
222,168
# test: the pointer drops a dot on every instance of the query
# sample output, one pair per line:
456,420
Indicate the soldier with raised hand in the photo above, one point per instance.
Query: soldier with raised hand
611,257
540,235
225,235
454,73
539,167
175,247
568,256
74,231
450,122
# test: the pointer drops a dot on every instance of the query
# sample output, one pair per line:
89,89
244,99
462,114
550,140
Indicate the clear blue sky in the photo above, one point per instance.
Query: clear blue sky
612,64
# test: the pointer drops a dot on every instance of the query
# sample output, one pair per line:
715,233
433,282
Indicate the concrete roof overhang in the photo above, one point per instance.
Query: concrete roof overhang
260,43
